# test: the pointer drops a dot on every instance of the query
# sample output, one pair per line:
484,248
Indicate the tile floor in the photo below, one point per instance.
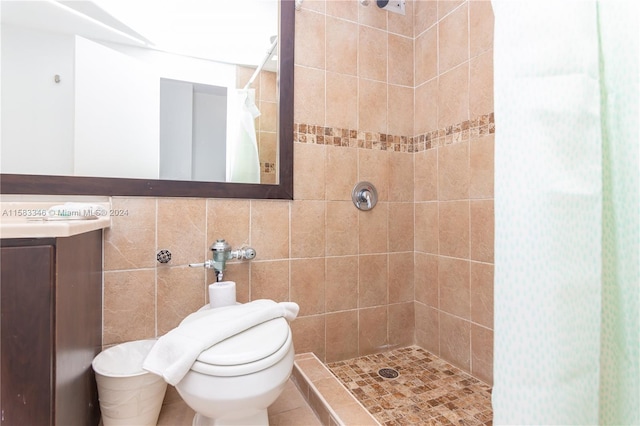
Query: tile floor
428,390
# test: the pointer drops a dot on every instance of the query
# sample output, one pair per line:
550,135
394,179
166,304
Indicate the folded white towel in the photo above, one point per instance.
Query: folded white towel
174,353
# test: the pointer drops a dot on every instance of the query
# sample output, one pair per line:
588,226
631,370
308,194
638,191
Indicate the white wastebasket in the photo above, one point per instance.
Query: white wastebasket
128,394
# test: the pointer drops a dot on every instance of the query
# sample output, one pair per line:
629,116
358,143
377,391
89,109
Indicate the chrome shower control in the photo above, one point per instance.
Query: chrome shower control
364,196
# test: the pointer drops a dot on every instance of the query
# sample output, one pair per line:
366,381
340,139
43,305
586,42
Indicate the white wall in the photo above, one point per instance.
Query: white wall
117,115
37,112
176,129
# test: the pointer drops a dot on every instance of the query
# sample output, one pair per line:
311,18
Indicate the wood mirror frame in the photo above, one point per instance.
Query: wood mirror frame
75,185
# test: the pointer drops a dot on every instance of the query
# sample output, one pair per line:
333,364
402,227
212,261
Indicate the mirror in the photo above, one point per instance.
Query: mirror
281,167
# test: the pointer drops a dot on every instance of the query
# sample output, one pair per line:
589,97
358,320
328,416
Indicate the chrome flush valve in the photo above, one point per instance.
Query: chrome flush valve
221,252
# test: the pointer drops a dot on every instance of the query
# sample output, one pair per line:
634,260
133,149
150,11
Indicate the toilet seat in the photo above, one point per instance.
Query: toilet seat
254,349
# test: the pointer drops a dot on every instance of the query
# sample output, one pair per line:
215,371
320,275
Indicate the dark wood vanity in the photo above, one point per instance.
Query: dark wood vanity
51,329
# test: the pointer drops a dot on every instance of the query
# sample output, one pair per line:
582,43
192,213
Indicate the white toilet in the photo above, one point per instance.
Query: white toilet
234,381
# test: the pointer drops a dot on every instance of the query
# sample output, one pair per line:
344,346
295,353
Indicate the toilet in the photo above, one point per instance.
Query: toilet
234,381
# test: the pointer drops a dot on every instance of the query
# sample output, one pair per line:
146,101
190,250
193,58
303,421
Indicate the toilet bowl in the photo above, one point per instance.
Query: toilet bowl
234,381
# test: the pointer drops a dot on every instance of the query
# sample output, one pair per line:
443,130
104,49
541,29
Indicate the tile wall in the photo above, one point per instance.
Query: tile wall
353,273
454,183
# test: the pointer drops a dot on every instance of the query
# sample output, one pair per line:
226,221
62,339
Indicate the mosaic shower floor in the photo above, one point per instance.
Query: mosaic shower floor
427,391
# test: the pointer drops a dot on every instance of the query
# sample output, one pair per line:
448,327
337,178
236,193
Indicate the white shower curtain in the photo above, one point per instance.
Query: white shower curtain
567,206
243,162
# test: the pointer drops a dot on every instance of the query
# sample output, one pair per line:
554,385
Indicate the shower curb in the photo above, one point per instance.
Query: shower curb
330,400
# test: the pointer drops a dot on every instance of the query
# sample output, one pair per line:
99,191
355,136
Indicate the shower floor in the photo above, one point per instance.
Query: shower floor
427,391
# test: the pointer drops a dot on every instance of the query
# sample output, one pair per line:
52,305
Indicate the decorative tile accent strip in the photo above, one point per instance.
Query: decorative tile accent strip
460,132
309,133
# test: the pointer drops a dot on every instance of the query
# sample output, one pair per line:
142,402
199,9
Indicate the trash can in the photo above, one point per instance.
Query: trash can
128,394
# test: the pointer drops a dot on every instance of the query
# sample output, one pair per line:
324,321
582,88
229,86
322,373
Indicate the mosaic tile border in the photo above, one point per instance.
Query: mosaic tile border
336,136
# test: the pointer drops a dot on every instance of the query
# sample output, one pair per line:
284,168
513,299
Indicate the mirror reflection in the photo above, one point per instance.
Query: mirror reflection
173,89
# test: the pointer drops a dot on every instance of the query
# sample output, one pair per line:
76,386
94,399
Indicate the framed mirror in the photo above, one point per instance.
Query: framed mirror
281,186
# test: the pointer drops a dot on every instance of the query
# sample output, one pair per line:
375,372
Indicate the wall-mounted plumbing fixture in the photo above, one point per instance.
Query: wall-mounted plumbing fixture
395,6
221,253
364,2
298,4
364,196
163,256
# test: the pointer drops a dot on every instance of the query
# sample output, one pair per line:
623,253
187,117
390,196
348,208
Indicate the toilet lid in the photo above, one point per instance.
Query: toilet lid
252,345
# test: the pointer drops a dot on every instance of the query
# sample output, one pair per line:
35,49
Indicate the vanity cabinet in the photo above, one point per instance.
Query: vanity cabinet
51,329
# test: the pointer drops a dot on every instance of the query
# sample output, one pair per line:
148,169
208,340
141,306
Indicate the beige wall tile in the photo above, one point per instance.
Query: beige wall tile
307,229
481,84
481,153
268,86
455,341
308,335
372,54
372,17
373,235
426,56
401,324
130,241
453,232
373,166
229,220
342,101
307,285
400,176
426,279
182,229
426,175
482,353
453,39
400,278
310,39
372,280
309,173
341,286
401,228
426,107
453,284
427,328
453,96
400,101
344,9
426,227
341,228
453,172
341,170
400,61
447,6
372,330
270,229
426,15
181,291
342,46
129,306
270,280
480,26
309,99
372,106
482,230
342,336
482,294
268,116
402,24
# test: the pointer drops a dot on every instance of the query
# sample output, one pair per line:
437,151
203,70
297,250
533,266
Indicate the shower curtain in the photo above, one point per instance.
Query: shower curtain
243,162
567,207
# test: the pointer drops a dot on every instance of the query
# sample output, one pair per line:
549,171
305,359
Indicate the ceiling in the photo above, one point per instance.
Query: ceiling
231,31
